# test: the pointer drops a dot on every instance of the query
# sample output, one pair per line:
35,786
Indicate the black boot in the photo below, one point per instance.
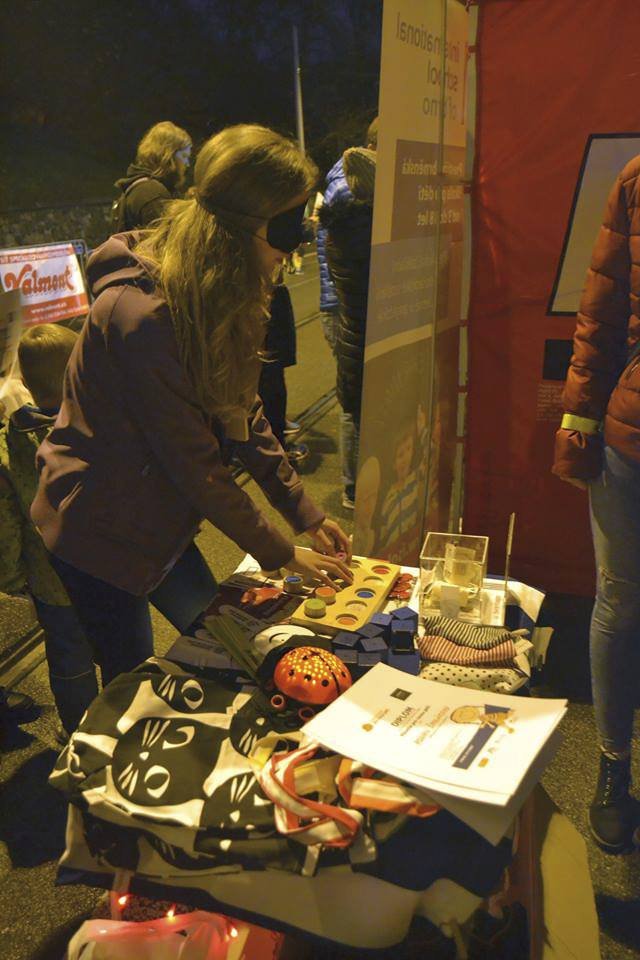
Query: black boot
613,813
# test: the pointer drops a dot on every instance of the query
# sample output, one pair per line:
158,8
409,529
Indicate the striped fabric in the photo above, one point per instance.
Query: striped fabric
466,634
363,787
317,825
446,651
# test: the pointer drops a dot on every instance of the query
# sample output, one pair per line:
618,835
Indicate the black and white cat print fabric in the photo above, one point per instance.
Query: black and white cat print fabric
155,751
160,784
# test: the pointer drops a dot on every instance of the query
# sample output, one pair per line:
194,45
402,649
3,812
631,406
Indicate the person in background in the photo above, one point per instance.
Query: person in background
15,707
43,353
335,188
14,395
597,448
279,353
157,175
346,223
161,389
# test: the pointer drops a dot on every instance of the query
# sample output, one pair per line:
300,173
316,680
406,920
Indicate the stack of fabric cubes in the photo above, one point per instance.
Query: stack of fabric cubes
385,638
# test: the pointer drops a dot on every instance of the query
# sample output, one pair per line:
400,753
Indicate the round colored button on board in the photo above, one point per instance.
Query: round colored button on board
293,584
328,594
315,607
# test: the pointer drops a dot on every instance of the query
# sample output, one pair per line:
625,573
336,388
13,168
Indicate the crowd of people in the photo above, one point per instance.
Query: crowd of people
124,443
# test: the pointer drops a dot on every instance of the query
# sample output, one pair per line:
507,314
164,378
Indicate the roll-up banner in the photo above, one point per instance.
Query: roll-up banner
49,279
408,426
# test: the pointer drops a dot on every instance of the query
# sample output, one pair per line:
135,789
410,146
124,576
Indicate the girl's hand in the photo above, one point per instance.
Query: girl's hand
330,538
316,566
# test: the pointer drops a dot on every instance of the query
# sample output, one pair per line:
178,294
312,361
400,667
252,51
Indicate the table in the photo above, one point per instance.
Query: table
161,792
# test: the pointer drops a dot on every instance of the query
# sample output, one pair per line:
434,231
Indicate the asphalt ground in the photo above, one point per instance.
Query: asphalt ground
36,916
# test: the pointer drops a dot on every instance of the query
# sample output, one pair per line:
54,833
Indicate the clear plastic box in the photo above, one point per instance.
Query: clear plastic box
452,570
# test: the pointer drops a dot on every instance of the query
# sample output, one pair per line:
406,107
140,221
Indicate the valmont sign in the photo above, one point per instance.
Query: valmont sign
49,279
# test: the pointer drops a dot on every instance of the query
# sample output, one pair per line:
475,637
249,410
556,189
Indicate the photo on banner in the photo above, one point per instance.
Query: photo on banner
408,428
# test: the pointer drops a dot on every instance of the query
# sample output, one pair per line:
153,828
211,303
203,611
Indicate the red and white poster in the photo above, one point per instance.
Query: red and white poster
49,279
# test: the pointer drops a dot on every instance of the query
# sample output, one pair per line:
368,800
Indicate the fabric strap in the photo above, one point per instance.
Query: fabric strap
300,817
360,788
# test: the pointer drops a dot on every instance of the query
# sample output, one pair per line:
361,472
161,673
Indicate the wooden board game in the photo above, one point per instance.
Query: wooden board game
354,604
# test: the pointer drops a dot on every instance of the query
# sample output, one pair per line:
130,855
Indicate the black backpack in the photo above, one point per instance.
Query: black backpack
119,208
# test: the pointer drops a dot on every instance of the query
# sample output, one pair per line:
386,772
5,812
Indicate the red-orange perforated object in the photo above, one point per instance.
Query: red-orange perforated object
310,675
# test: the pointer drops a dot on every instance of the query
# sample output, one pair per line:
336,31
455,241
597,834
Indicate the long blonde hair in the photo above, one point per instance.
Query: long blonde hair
205,262
156,152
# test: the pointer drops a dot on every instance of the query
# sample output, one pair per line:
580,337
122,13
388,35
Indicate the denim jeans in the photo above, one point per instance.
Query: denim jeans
72,674
118,623
349,443
615,623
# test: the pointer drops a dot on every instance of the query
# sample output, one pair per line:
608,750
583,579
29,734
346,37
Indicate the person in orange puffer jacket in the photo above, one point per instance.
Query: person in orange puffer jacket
598,448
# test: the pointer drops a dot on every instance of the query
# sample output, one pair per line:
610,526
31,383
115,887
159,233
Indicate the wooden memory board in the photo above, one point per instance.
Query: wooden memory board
368,576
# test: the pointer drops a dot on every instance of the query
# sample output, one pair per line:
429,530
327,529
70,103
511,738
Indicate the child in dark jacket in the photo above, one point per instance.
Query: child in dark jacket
279,353
24,565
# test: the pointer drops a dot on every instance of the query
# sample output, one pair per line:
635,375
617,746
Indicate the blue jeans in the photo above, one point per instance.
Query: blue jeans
615,623
72,674
118,624
349,443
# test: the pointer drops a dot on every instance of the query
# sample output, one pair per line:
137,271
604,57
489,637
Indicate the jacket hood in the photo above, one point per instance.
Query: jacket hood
114,263
336,172
28,418
345,213
335,184
134,172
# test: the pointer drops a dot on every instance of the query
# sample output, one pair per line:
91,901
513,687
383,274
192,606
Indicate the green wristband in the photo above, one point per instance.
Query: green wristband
582,424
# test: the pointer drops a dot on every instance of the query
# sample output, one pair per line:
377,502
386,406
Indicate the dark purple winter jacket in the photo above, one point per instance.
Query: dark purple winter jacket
132,466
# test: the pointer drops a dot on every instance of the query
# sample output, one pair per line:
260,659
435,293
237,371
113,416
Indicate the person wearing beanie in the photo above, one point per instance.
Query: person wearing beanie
359,164
335,188
347,222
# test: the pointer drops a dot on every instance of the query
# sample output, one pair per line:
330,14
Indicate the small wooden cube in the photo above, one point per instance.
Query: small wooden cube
373,644
409,661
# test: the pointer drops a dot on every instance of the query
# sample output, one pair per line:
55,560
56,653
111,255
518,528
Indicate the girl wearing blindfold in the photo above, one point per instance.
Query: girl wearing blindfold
161,390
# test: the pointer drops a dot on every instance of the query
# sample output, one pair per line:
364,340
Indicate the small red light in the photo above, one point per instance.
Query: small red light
123,900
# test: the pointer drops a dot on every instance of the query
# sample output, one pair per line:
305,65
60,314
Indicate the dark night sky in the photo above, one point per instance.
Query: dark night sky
83,81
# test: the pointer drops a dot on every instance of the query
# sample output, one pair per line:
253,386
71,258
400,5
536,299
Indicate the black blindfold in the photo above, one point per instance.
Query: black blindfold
284,231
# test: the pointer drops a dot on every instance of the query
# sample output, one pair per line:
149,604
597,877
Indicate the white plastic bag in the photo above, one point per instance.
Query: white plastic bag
190,936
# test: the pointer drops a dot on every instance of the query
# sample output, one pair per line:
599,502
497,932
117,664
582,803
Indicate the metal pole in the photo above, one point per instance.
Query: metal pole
297,87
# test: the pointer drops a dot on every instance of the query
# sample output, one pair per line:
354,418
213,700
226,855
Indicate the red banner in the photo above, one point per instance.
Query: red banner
550,75
49,279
